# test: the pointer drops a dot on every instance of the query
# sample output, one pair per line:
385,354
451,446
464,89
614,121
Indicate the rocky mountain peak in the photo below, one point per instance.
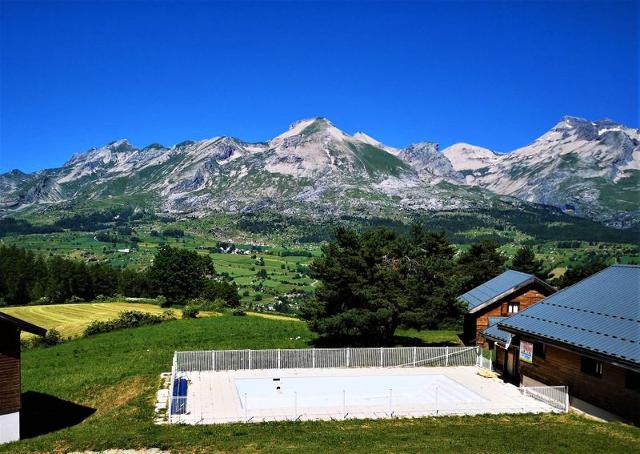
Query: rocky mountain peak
590,165
465,157
430,164
365,138
154,146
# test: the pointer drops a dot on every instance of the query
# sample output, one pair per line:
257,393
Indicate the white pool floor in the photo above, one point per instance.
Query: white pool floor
307,394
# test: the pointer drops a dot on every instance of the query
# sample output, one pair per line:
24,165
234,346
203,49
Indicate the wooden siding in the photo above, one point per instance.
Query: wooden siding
524,297
10,367
608,391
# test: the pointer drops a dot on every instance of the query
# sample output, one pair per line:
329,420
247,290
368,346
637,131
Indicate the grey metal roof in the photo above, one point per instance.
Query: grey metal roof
496,288
494,332
600,314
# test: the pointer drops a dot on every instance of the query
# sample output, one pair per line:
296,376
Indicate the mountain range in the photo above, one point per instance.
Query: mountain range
590,169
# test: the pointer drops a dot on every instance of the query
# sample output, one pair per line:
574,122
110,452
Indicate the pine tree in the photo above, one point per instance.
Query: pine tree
525,261
373,282
480,263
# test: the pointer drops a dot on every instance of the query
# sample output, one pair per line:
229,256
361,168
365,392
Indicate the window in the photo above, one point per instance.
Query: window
632,380
513,308
539,350
591,366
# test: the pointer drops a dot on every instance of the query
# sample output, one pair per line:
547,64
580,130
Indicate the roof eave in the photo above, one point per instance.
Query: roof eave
23,325
493,338
572,347
511,290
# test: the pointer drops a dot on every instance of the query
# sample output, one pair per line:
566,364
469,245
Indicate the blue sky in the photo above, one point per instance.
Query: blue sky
81,74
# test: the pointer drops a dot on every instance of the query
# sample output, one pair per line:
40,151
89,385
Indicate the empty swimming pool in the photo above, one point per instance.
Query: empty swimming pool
294,394
359,390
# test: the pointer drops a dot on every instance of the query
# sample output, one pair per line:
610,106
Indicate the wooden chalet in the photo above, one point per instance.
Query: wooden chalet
586,337
506,294
10,401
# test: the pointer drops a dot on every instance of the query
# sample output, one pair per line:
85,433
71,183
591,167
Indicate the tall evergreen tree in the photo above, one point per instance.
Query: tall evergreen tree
525,261
359,292
373,282
483,261
430,281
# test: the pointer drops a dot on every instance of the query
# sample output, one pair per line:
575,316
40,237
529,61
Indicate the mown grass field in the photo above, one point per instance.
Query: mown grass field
114,376
71,319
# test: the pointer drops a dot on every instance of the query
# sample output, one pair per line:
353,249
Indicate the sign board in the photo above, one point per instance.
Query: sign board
526,351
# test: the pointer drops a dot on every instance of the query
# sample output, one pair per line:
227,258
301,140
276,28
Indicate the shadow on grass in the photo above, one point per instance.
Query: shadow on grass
42,413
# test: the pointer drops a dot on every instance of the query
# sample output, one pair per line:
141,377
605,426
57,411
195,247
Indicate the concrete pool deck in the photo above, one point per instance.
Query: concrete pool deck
216,397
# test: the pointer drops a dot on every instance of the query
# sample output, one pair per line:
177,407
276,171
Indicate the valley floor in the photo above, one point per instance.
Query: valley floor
97,393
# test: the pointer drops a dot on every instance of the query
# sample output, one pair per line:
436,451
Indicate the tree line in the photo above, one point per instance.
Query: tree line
176,274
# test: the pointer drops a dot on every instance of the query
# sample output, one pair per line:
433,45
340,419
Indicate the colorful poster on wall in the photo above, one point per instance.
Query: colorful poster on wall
526,351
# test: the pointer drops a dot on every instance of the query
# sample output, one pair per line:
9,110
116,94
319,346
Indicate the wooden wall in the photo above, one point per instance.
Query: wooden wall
9,368
608,391
478,322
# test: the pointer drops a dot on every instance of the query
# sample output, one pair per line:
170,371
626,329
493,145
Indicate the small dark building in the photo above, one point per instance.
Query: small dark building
10,402
586,337
504,295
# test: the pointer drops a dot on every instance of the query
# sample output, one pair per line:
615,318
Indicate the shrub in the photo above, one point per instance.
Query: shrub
127,319
74,300
238,313
220,290
52,337
189,312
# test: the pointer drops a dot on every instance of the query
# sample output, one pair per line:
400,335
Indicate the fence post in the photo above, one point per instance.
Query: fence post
173,378
249,359
348,351
344,403
213,358
415,349
313,358
566,399
446,356
381,357
278,358
478,357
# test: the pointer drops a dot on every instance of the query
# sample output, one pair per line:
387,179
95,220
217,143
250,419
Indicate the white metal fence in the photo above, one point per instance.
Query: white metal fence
190,362
554,396
216,360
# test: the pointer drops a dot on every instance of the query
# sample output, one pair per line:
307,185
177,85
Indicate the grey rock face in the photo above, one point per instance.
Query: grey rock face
314,167
592,166
431,165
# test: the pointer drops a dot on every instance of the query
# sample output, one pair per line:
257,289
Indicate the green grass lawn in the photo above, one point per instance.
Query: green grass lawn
116,374
435,337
